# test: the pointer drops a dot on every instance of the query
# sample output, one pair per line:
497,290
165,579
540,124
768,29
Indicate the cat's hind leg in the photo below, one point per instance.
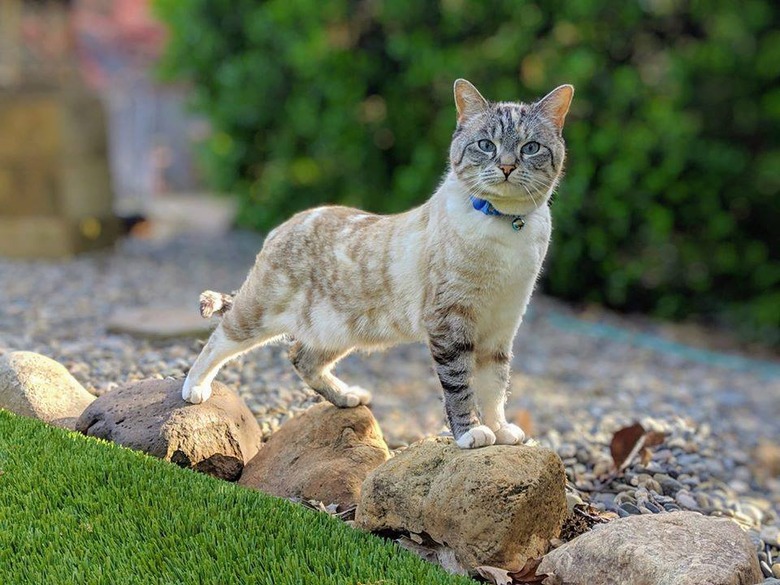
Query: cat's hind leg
491,379
219,349
313,365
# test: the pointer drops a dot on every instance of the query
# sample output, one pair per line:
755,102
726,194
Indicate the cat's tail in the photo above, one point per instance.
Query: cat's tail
214,303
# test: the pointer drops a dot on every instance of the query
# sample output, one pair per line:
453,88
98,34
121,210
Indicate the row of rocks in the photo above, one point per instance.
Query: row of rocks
497,507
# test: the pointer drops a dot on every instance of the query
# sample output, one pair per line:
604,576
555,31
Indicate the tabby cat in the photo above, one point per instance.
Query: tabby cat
456,272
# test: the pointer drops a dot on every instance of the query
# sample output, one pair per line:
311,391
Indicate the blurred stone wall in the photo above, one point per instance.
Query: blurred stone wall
55,187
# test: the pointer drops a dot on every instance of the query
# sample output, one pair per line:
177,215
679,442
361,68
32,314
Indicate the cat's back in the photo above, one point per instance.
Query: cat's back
322,226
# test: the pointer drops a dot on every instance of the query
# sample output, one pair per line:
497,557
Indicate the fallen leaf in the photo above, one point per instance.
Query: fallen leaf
528,573
494,575
625,444
523,419
654,438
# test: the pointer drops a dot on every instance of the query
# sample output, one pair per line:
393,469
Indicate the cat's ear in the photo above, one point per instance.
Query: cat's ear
555,105
468,100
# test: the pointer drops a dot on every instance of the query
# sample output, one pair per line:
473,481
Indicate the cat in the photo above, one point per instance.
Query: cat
456,272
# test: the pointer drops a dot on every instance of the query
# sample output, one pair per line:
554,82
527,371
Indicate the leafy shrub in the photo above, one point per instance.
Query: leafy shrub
669,205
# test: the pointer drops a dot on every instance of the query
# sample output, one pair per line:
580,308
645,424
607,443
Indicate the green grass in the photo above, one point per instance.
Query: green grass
78,510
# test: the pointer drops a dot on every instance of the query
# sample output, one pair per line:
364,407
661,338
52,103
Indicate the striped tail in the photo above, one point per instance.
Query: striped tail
214,303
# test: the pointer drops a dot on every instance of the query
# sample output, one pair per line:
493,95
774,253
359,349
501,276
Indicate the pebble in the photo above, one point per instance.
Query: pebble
686,501
766,569
771,535
776,570
630,508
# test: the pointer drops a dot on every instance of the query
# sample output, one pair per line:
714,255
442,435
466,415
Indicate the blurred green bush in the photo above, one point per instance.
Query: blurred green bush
671,199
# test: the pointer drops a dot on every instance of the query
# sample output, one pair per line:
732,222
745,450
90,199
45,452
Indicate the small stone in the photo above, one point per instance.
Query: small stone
771,535
686,501
670,486
567,451
776,570
766,569
630,508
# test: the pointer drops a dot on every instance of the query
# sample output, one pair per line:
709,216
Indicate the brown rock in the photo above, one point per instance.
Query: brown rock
36,386
684,548
496,506
323,454
216,437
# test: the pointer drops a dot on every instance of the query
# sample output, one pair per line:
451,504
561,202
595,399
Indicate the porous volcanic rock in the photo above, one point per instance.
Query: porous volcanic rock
216,437
34,385
684,548
324,454
496,506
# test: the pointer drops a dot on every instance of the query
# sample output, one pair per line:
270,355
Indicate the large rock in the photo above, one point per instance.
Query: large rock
324,454
496,506
36,386
684,548
216,437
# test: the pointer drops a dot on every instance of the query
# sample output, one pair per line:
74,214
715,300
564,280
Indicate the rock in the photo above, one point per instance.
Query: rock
216,437
496,506
776,570
324,454
159,322
34,385
684,548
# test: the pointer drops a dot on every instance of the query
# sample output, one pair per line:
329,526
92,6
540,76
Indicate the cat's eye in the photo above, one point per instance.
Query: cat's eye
486,146
530,148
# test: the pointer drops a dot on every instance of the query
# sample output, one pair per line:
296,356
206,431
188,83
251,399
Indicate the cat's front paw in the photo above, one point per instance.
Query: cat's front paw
354,396
195,394
479,436
509,434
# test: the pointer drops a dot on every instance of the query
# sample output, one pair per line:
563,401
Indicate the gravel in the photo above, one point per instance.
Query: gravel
580,376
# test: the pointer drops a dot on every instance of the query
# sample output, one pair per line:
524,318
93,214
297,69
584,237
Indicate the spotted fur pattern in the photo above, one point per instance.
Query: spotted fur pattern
335,279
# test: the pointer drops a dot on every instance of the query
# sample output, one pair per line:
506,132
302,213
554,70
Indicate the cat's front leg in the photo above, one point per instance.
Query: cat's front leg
451,340
491,379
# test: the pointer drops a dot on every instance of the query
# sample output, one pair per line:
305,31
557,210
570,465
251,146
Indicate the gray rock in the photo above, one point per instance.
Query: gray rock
324,454
656,549
36,386
670,486
216,437
496,506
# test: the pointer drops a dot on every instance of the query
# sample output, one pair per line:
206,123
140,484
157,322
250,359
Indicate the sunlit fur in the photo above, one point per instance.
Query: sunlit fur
335,279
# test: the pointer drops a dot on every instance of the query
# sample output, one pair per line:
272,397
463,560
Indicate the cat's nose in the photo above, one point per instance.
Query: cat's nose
507,169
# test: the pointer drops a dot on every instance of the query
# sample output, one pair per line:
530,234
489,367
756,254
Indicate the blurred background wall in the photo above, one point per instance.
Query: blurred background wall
670,202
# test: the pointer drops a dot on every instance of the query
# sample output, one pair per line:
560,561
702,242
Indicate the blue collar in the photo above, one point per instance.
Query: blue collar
487,208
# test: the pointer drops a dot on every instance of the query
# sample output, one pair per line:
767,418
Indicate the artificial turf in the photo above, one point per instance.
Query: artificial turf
76,510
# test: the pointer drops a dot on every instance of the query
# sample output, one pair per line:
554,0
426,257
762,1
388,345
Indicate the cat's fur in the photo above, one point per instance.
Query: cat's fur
336,279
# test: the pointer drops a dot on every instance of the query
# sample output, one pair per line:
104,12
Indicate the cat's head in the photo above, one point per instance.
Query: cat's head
509,153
